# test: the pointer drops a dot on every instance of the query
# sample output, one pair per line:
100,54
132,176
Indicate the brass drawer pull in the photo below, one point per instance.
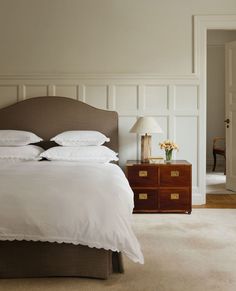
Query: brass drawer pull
142,196
174,173
142,173
174,196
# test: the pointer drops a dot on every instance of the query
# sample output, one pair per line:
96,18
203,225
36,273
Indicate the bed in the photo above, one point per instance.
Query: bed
20,257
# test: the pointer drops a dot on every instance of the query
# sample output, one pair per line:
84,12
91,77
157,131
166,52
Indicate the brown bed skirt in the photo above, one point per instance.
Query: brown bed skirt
19,259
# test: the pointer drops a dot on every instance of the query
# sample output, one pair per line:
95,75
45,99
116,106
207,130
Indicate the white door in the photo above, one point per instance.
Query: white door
230,114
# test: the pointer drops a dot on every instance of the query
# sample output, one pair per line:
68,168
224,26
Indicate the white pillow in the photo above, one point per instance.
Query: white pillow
80,138
17,138
28,152
92,154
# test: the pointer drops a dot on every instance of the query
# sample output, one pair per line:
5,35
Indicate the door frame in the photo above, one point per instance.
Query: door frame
202,23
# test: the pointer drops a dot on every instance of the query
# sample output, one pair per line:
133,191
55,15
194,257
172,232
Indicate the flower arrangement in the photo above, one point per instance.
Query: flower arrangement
168,146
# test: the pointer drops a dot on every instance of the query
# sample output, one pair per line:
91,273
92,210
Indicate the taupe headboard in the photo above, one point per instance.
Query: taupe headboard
48,116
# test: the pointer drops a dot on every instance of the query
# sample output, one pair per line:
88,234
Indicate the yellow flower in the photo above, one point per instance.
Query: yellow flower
168,145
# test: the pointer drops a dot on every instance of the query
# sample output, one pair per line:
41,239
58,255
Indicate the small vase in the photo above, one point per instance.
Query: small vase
168,155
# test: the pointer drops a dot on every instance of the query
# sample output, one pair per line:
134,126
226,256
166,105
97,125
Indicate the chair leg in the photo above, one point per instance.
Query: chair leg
214,166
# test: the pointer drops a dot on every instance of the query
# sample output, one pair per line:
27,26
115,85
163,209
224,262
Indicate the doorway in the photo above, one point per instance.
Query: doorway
203,23
215,137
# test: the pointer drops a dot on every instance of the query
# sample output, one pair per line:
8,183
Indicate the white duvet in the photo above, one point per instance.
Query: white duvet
88,204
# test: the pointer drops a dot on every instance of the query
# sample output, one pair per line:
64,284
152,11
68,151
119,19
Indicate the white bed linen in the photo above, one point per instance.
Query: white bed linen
67,202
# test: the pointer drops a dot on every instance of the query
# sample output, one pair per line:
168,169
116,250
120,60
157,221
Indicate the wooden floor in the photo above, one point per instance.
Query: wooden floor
219,201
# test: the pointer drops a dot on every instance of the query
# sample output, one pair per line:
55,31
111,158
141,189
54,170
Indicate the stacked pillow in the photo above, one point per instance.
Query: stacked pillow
16,144
80,146
77,145
80,138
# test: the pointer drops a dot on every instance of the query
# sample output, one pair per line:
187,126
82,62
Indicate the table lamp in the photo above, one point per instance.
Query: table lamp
146,125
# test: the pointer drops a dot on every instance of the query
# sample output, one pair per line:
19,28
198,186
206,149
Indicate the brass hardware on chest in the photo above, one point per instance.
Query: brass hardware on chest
160,188
174,173
174,196
142,196
142,173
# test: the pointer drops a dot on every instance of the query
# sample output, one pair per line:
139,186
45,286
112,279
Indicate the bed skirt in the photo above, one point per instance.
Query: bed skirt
20,259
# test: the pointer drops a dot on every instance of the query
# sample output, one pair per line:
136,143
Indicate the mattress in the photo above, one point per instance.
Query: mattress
68,202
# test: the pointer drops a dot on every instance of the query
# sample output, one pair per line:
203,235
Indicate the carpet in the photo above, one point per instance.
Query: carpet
216,183
194,252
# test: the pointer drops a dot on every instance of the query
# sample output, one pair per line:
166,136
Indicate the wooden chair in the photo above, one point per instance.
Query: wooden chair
218,149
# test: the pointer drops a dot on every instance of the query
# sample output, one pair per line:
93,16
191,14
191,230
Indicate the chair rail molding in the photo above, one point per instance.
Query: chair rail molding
100,76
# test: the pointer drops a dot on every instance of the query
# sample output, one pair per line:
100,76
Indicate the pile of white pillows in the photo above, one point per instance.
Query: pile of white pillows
17,145
81,145
77,145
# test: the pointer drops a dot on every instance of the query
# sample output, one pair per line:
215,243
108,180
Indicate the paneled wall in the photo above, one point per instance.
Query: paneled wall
173,102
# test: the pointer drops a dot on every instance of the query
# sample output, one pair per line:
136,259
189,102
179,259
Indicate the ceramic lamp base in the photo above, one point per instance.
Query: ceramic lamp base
146,143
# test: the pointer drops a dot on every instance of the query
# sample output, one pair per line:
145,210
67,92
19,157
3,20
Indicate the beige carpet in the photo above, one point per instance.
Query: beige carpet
182,253
216,183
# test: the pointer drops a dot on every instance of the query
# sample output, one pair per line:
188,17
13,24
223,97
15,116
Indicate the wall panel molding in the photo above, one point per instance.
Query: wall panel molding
172,101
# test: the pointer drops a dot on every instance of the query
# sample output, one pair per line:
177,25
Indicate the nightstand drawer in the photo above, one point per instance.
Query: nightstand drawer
142,176
175,176
145,199
161,188
174,199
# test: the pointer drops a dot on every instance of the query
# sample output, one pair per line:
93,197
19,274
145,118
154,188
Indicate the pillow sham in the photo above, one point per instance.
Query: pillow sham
92,154
17,138
80,138
28,152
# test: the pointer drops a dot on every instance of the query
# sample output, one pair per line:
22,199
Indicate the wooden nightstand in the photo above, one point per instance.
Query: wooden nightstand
161,187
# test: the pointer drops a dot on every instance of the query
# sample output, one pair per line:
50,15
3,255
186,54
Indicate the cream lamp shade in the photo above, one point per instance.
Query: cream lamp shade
145,126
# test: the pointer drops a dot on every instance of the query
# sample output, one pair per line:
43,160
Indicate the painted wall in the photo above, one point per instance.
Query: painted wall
105,36
216,87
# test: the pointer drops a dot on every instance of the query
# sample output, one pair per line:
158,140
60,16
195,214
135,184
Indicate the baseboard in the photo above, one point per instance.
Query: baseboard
197,198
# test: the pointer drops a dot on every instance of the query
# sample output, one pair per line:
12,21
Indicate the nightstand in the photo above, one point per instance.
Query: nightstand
161,187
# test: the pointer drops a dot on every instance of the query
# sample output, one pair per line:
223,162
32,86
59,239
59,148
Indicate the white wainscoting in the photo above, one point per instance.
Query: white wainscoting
172,101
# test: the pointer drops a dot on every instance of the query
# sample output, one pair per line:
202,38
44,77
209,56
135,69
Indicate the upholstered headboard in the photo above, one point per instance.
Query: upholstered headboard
48,116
